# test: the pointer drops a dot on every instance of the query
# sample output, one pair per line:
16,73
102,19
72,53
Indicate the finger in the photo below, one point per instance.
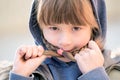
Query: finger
77,57
92,45
86,50
28,53
35,51
41,50
38,60
81,54
21,51
42,58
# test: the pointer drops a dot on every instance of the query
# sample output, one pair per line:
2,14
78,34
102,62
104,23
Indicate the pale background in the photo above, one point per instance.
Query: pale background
14,31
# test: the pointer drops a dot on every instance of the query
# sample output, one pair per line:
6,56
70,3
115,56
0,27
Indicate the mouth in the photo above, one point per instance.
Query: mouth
60,53
69,54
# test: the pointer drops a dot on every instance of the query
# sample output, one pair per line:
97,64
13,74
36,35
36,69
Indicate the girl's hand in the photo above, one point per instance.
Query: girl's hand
90,58
27,59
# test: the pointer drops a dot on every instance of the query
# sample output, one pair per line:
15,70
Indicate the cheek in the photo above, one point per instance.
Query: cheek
82,43
82,40
49,37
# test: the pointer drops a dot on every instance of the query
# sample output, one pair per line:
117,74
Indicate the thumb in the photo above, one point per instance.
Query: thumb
38,60
93,45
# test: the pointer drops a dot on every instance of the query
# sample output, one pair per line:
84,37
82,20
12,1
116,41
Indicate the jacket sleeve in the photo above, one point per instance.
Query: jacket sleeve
34,76
14,76
96,74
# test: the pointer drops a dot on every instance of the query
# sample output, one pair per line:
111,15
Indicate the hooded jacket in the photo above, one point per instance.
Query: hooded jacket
99,10
54,69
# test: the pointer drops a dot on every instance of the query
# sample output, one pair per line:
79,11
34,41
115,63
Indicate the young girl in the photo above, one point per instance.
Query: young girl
74,30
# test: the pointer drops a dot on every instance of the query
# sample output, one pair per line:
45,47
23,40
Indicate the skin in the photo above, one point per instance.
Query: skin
67,37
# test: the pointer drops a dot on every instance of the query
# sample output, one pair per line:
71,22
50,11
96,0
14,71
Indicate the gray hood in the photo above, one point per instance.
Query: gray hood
99,9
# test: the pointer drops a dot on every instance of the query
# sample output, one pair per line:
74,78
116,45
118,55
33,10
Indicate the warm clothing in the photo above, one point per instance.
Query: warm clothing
54,69
63,71
99,9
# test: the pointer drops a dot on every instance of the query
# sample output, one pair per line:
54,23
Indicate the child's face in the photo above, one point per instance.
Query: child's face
67,36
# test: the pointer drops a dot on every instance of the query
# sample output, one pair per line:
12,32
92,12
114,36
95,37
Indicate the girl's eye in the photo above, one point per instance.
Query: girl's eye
54,28
76,28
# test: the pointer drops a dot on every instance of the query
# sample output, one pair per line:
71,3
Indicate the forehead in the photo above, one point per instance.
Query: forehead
58,12
74,12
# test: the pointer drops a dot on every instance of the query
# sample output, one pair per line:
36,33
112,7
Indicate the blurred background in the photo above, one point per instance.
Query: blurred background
14,30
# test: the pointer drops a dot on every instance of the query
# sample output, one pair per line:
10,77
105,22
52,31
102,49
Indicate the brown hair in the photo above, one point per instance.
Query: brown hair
76,12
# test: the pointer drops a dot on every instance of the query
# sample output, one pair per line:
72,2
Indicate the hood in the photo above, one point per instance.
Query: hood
99,9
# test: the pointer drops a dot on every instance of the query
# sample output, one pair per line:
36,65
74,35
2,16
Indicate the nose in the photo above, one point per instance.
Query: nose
65,40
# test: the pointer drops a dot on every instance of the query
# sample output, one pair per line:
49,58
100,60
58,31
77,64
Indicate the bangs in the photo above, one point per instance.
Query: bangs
75,12
57,12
